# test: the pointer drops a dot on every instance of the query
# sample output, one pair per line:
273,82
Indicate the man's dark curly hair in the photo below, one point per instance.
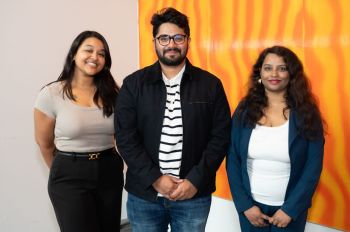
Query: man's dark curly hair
170,15
298,95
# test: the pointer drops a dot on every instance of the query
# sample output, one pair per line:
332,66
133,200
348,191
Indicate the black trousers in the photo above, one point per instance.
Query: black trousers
86,194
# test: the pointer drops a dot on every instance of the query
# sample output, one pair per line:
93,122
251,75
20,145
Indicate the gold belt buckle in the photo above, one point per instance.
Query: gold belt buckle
94,156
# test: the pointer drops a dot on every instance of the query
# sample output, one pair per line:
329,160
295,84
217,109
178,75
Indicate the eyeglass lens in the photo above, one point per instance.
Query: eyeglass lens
165,39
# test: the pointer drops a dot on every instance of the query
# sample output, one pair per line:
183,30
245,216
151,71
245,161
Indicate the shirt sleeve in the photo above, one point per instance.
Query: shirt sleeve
45,103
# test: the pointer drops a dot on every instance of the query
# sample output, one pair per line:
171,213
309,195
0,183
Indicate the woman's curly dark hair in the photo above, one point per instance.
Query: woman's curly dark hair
298,95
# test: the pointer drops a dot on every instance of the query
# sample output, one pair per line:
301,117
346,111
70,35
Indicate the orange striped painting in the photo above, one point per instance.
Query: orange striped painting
226,37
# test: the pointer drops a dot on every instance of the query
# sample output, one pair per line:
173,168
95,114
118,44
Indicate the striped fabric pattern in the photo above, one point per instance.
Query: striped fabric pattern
170,148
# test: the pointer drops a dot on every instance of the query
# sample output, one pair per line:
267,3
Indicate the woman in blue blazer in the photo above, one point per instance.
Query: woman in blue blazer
277,143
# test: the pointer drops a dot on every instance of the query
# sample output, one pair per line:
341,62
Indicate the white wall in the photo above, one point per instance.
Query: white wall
34,39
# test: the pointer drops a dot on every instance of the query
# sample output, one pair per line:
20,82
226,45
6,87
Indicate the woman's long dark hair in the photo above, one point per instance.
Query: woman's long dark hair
298,95
106,87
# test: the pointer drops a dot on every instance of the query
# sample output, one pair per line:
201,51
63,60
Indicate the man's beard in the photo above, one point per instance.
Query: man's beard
171,62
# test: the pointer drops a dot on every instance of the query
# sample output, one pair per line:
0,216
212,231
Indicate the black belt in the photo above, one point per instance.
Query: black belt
87,155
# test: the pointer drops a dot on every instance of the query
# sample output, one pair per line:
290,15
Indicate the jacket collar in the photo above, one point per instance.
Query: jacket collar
155,72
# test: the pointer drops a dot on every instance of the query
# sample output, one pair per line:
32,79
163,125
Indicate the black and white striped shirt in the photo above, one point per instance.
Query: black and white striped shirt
170,149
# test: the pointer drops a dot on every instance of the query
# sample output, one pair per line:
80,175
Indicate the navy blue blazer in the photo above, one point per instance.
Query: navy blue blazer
306,158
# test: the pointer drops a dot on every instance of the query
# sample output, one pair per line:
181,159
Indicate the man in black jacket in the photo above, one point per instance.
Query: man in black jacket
172,125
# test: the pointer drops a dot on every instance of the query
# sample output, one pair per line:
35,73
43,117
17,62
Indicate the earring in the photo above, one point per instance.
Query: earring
259,80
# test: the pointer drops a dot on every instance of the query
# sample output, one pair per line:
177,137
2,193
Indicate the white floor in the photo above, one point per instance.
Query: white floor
223,217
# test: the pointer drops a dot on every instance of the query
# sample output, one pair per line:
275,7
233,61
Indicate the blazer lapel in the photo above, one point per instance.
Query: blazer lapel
246,133
293,128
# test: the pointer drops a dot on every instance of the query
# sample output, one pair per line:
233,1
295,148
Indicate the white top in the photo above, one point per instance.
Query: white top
77,128
170,148
268,164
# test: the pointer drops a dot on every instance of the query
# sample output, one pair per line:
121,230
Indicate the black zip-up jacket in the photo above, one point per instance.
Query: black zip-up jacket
138,123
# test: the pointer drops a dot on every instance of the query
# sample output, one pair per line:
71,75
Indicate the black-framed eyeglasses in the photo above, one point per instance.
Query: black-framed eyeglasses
164,40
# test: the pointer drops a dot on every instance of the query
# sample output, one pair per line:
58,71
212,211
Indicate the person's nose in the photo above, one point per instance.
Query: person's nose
171,42
274,72
94,55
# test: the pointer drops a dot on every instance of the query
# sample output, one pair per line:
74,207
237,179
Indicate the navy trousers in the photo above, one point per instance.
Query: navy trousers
297,225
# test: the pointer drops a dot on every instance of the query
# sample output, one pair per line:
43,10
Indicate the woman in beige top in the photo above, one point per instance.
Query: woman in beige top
74,130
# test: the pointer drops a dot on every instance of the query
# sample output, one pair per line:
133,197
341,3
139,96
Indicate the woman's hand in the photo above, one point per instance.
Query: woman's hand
256,217
280,219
